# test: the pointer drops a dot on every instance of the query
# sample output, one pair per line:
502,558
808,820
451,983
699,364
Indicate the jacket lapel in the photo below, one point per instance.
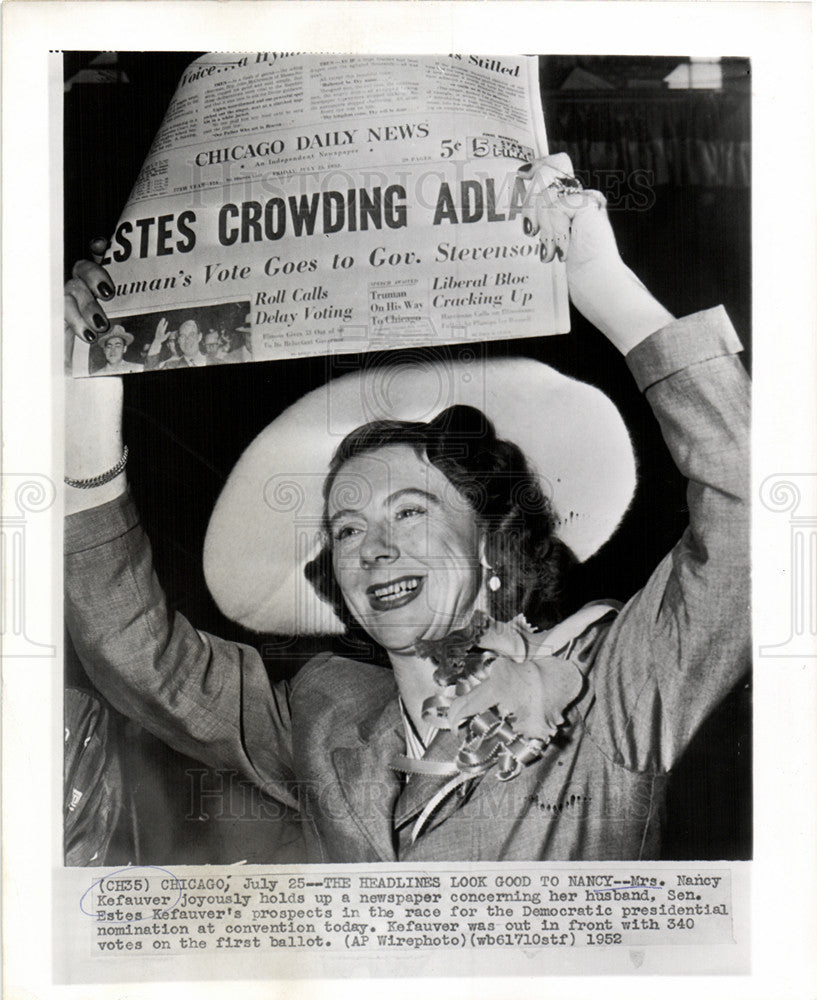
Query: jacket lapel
368,785
420,788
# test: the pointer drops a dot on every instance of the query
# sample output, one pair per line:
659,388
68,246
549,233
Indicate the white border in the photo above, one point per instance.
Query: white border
777,37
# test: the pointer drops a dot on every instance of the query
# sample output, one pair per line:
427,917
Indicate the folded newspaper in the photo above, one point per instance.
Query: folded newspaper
299,205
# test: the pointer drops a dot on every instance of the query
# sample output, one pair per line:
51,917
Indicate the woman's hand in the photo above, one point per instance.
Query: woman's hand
93,406
572,225
85,318
533,695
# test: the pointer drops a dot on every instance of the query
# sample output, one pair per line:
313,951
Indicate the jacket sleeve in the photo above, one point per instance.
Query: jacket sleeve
207,698
682,642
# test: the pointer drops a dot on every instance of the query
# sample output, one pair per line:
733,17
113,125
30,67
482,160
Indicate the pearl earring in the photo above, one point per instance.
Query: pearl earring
494,583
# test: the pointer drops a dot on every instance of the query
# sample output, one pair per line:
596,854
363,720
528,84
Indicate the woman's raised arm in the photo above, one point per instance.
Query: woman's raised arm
206,697
681,643
93,406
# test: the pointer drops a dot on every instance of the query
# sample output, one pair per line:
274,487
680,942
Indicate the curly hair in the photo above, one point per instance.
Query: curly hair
492,474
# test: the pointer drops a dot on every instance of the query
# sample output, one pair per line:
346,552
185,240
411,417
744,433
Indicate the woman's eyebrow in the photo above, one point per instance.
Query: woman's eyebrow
343,512
413,491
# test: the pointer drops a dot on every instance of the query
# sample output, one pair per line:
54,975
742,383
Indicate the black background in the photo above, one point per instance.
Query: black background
186,430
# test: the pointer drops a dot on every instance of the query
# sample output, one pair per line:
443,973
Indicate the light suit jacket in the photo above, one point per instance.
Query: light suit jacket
322,745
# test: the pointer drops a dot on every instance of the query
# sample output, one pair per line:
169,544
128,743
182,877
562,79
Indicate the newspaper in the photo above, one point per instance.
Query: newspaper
299,205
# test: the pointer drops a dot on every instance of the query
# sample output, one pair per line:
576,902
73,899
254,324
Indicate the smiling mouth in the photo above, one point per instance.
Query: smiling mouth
395,594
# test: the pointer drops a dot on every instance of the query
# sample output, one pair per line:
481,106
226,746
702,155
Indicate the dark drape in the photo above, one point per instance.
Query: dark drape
679,137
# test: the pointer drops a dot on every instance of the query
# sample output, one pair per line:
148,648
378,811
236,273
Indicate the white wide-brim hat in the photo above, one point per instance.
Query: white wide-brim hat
266,525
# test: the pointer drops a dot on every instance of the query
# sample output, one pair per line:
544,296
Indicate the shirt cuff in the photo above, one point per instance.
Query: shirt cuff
688,341
88,528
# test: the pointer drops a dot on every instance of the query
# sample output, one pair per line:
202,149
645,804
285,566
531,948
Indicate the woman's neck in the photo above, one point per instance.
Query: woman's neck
415,682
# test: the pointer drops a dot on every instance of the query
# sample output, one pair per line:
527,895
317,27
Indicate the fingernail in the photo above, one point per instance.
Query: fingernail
99,321
525,168
526,225
105,289
90,337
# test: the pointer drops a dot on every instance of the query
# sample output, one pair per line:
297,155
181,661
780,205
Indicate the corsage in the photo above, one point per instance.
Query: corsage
464,659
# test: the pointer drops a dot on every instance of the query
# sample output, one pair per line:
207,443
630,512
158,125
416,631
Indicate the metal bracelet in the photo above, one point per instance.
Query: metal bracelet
105,477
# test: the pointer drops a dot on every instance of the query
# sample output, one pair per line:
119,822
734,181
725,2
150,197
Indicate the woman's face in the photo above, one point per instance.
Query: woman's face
405,547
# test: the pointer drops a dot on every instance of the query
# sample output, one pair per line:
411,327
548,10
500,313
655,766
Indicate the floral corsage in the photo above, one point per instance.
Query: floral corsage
463,659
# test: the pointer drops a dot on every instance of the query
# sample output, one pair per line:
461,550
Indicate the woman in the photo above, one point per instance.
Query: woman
586,717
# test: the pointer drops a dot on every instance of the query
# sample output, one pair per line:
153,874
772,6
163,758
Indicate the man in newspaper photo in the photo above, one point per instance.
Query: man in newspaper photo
477,712
114,343
189,339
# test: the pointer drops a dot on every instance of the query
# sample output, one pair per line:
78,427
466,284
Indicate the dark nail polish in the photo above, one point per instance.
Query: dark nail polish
99,321
90,337
105,289
525,168
526,225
